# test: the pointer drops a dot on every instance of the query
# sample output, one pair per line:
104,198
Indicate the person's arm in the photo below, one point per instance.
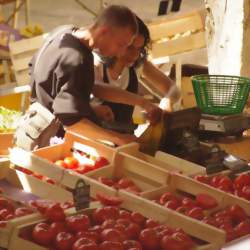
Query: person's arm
156,77
89,129
117,95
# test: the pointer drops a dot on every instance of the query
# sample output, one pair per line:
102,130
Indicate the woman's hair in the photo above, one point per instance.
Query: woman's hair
143,31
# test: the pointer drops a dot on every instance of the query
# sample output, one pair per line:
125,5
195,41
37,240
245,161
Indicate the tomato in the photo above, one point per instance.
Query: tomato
202,178
110,245
138,218
211,221
151,223
184,240
41,205
172,204
108,224
188,202
206,201
5,213
107,181
120,227
96,229
41,234
132,244
124,222
125,183
57,227
196,213
166,197
226,182
111,212
108,200
149,238
84,244
71,162
78,222
133,230
237,213
4,203
94,236
182,209
112,235
230,232
215,180
242,180
243,228
61,163
123,214
246,192
101,162
55,212
64,240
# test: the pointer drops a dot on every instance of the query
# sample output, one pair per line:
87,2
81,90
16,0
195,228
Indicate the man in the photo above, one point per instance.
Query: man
62,73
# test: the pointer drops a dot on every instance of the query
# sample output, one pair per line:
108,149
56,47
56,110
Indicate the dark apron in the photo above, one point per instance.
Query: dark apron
122,112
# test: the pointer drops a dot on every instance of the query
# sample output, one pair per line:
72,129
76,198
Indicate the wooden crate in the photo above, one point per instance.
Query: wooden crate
163,160
6,141
177,34
21,244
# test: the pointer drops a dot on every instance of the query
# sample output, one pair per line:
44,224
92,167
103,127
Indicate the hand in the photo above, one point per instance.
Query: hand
153,113
104,113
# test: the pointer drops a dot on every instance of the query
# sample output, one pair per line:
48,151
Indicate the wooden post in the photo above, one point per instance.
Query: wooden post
228,36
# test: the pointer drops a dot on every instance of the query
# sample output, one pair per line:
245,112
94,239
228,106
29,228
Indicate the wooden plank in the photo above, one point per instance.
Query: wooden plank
22,63
180,45
6,141
172,27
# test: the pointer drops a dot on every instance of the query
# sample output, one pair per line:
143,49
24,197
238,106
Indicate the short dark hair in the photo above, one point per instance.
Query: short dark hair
117,16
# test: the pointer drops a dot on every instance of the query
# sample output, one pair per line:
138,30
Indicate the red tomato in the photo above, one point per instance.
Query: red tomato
206,201
61,163
5,213
78,222
108,224
138,218
107,181
132,244
215,180
176,242
108,200
96,229
166,197
55,213
226,184
211,221
133,230
101,162
71,162
21,211
230,232
149,238
246,192
237,213
109,245
84,169
112,235
41,234
243,228
4,203
123,214
64,240
94,236
120,227
124,222
151,223
182,209
202,178
57,227
196,213
242,180
124,183
172,204
84,244
184,239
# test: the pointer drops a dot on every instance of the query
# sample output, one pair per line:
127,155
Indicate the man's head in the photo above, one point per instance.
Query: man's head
114,30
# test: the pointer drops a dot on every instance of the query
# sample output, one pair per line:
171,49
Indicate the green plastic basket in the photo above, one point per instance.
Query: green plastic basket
219,94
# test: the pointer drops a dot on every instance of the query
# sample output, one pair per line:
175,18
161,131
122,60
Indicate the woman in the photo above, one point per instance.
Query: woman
122,72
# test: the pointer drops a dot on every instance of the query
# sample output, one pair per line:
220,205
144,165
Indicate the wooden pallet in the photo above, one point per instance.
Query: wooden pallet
163,160
21,244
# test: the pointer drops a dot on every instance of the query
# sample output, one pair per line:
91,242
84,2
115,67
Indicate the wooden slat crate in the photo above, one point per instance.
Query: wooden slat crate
6,141
163,160
21,244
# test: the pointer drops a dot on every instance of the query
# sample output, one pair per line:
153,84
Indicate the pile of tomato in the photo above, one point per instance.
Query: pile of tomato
121,183
240,186
233,219
107,228
70,162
